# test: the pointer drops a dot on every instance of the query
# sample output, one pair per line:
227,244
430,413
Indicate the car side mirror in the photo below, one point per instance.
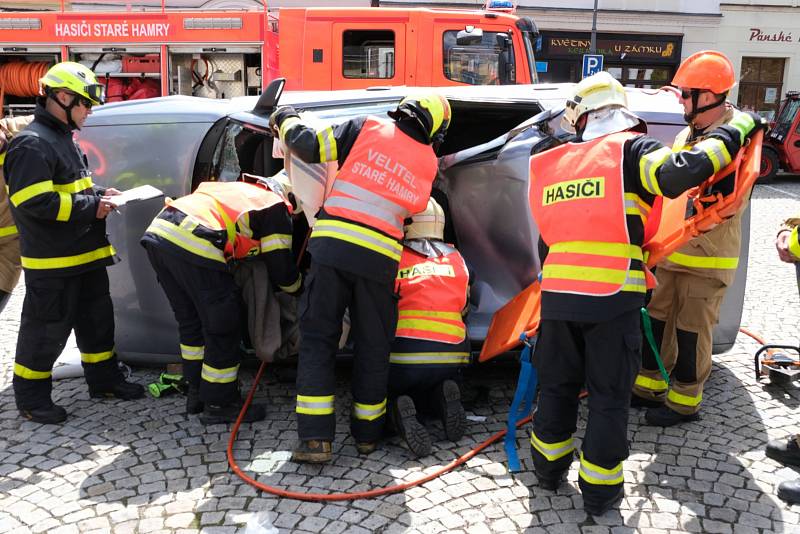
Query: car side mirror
469,36
269,99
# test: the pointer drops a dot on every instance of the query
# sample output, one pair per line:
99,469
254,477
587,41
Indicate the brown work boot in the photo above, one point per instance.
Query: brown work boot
313,451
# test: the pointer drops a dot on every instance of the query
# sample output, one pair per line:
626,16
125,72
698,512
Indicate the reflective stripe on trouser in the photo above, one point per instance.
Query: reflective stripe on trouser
206,304
594,474
688,307
373,315
52,308
417,366
604,356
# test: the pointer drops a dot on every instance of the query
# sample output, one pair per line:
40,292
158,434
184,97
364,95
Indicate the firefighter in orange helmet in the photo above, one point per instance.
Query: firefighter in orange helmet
431,343
191,245
386,169
591,199
691,281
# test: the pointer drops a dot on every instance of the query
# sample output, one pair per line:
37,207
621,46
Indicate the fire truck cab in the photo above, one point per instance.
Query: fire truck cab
224,54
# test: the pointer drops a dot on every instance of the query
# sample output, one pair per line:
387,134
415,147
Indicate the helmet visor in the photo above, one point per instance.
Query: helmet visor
96,93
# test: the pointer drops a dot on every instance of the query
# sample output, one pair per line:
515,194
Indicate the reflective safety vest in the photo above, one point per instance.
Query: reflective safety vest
577,198
225,206
386,177
433,292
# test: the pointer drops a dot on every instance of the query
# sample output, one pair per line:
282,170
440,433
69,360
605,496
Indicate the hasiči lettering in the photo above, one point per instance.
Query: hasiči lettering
428,268
112,29
573,190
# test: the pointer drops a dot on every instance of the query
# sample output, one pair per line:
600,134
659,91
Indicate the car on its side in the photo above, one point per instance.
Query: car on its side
175,143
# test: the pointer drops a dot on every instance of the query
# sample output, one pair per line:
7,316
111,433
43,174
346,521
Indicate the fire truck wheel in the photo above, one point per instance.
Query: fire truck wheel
769,166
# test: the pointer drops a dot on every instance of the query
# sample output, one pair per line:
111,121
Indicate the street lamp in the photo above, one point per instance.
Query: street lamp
593,45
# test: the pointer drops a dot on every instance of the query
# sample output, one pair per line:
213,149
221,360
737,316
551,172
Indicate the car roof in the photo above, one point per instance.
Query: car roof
657,104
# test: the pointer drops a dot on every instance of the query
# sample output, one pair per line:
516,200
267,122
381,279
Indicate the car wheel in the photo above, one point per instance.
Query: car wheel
769,166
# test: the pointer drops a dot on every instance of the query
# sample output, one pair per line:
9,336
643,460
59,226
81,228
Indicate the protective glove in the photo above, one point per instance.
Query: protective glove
280,115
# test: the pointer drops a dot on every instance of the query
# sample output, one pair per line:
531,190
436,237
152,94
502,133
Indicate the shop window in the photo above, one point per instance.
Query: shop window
368,54
761,85
643,77
481,63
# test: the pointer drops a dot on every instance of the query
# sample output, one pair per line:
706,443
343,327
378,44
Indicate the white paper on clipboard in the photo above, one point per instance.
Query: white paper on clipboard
143,192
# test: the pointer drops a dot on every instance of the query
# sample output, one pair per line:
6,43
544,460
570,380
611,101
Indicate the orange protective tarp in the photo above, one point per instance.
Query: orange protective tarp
522,313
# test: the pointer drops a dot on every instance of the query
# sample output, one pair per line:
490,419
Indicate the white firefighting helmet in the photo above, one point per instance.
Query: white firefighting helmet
596,92
427,224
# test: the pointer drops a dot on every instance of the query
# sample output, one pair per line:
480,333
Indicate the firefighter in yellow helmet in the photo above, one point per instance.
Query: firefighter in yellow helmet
691,281
191,245
60,215
591,199
10,267
386,169
431,343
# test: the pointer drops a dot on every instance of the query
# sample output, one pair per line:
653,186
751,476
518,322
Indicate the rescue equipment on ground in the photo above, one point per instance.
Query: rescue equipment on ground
778,362
168,384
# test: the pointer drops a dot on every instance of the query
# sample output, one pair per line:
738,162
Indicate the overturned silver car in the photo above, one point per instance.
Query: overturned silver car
175,143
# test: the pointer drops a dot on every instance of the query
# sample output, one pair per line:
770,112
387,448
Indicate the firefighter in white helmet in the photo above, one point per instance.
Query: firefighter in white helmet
431,343
591,199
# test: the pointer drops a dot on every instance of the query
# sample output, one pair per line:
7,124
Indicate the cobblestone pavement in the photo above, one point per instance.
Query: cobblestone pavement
144,466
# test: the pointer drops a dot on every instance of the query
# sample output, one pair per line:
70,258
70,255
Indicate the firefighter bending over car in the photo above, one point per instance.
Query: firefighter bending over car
594,277
60,215
10,267
692,281
386,169
191,245
431,343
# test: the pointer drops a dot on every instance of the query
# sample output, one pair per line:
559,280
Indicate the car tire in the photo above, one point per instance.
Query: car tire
770,164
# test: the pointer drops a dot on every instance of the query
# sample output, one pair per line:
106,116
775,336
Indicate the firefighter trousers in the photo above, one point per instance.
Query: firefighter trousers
684,309
417,367
605,357
52,308
208,307
373,319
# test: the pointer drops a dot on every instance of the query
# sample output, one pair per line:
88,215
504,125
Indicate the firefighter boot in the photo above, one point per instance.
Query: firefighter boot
789,491
366,447
313,451
786,452
193,403
121,389
641,402
50,414
600,508
664,416
404,418
228,413
447,403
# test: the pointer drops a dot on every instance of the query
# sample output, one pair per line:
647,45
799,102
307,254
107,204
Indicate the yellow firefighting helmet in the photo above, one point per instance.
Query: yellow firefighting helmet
76,78
431,110
427,224
598,91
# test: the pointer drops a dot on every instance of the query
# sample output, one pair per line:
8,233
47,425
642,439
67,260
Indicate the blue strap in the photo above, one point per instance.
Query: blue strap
523,400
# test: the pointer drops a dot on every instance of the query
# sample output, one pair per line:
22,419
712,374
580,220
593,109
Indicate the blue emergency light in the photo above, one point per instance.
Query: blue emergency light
500,5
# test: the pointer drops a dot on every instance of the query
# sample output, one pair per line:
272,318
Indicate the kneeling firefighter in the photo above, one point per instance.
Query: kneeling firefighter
591,199
431,343
191,245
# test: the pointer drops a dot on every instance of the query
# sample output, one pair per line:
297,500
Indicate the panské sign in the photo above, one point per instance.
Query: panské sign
757,34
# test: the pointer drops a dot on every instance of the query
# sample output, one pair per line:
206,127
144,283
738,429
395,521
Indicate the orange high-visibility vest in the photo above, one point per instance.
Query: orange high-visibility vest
433,292
225,206
578,201
386,177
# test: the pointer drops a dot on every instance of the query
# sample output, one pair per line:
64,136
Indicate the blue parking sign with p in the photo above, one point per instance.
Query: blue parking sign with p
592,64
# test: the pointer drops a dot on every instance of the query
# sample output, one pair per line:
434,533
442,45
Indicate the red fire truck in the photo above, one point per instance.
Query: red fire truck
223,54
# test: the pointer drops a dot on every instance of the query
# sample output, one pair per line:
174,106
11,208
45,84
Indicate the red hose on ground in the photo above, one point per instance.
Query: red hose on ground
344,496
378,491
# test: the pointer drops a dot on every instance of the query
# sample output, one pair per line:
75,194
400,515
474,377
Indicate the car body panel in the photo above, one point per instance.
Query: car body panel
163,142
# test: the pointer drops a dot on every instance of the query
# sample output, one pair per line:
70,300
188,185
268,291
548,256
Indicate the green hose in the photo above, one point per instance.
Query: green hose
648,333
